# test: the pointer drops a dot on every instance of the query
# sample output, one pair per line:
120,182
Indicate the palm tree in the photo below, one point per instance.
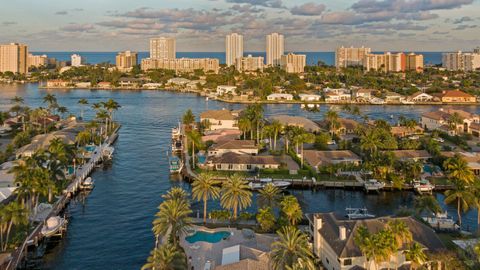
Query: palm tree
276,128
205,187
363,240
266,219
245,126
332,119
476,202
51,100
188,118
369,142
83,138
426,203
111,106
103,114
268,131
401,234
458,170
416,255
462,197
13,214
196,140
236,194
165,257
83,102
176,194
291,208
269,195
62,110
291,246
453,121
17,100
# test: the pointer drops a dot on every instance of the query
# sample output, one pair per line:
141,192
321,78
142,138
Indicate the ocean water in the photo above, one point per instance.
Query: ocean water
112,227
431,58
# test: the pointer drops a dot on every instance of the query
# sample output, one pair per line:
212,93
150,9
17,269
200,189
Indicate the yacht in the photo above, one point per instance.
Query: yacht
176,164
176,133
442,222
358,213
264,181
423,186
373,185
53,225
177,146
87,184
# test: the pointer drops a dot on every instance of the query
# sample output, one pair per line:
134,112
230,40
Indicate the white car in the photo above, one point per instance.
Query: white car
439,140
415,137
332,142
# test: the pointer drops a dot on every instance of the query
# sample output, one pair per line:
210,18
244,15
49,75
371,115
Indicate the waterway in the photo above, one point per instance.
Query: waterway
111,228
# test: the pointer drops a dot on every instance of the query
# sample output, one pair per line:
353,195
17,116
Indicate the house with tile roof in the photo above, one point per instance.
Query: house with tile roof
334,244
235,146
456,96
297,121
441,120
219,119
318,159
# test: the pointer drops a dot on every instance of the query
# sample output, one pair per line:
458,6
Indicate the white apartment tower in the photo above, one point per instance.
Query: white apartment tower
162,48
233,48
275,49
77,60
346,57
13,58
462,61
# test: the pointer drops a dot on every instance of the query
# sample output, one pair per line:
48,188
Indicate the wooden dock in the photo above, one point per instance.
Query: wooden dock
35,237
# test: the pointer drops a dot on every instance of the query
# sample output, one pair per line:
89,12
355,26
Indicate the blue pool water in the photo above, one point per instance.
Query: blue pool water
90,148
209,237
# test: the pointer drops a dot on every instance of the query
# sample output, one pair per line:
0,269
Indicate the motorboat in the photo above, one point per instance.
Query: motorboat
373,185
423,186
176,164
442,222
53,225
176,133
107,152
177,146
358,213
87,184
265,181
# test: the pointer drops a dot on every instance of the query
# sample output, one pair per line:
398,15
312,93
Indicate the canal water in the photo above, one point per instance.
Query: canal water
111,228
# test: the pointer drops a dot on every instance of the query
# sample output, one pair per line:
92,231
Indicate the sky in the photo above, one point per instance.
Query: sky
201,25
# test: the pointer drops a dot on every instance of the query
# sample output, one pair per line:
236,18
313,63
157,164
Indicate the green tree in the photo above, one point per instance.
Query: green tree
266,219
416,255
291,246
83,102
196,139
426,203
205,187
291,209
13,214
460,196
236,194
458,170
269,196
188,118
166,257
332,120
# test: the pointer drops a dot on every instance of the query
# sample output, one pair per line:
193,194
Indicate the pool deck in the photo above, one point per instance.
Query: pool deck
201,251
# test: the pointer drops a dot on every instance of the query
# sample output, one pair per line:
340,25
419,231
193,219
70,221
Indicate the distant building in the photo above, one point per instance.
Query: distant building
249,63
456,96
182,64
414,62
387,62
275,49
13,58
235,146
310,97
293,63
233,48
347,57
296,121
226,89
421,97
461,61
280,97
126,60
440,120
219,119
77,60
162,48
37,60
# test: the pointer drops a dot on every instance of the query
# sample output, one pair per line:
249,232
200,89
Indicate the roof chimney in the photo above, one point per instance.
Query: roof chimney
317,226
342,231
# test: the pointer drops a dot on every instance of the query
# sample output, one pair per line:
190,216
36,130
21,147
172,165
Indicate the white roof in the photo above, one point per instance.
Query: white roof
231,255
280,95
6,178
6,192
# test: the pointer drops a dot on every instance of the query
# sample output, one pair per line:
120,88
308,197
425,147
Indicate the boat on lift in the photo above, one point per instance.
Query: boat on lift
358,213
442,222
373,185
53,225
87,184
423,186
176,164
265,181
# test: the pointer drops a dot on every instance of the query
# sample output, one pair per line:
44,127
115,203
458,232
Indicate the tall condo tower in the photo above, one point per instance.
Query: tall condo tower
162,48
233,48
275,49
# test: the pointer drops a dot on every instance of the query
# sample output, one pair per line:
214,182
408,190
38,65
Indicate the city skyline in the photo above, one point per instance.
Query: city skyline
385,25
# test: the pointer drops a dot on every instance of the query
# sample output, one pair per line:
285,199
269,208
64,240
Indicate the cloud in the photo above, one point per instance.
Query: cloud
462,20
74,27
404,6
8,23
465,26
308,9
263,3
62,12
247,8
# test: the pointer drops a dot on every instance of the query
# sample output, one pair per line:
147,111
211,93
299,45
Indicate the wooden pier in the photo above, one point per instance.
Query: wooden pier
35,237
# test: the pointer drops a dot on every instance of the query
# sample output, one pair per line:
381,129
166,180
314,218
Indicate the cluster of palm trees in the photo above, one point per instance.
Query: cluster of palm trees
383,247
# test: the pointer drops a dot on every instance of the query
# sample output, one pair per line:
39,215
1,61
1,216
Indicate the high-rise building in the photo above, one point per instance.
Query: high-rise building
126,60
275,49
77,60
414,62
162,48
233,48
37,60
387,62
461,61
249,63
347,57
293,63
182,64
13,58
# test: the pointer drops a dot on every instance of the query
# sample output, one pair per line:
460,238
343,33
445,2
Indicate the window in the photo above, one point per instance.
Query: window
347,262
328,262
219,166
249,166
230,166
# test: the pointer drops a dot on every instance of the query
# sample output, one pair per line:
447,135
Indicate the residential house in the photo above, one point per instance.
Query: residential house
57,83
411,155
83,85
241,257
441,120
235,146
178,81
472,159
421,97
317,159
130,82
221,135
456,96
347,126
392,97
226,89
280,97
363,94
219,119
231,161
334,240
309,97
104,85
340,97
152,86
298,121
336,90
403,131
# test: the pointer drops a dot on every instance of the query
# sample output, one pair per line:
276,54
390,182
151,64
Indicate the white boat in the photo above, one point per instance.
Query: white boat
373,185
264,181
377,101
177,146
358,213
176,133
423,186
442,222
408,102
53,226
107,152
87,184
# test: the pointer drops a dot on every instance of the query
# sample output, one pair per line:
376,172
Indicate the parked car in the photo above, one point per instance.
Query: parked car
439,140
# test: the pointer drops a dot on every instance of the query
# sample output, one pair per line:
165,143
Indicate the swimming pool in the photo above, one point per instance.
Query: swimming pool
209,237
90,148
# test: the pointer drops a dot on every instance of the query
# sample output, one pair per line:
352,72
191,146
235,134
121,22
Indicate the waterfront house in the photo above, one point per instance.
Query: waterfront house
456,96
363,94
219,119
334,244
280,97
346,127
104,85
317,159
226,89
403,131
336,90
298,121
221,135
234,146
472,159
392,97
83,85
340,97
421,97
441,119
178,81
152,86
57,83
128,82
242,162
413,155
309,97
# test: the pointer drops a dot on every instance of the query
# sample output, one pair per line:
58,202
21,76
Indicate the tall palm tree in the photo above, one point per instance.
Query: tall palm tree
453,121
401,234
291,208
176,193
332,119
245,125
111,106
268,131
188,118
196,139
458,170
291,246
364,241
165,257
276,128
83,138
236,194
83,102
305,138
269,195
13,214
462,197
62,110
416,255
51,101
369,142
205,187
